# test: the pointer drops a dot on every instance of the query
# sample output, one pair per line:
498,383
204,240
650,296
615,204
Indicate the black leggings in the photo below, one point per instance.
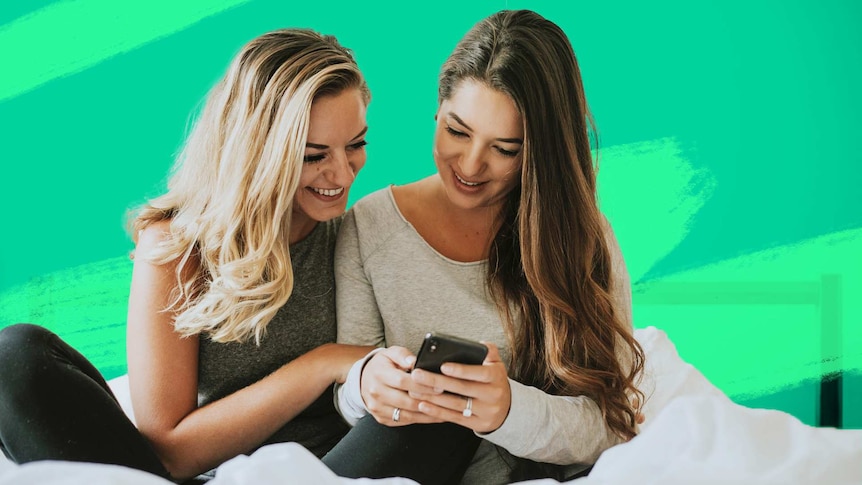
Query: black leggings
426,453
54,405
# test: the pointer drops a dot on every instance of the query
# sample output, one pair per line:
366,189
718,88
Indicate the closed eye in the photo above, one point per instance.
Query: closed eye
357,145
313,158
507,153
456,133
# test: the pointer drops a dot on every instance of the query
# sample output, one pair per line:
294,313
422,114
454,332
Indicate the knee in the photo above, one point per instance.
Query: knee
23,348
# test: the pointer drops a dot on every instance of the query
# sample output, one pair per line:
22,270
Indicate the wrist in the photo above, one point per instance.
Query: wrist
322,361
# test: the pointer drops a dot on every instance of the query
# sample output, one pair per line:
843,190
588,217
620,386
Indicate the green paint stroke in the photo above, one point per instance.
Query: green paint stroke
70,36
650,193
85,305
764,322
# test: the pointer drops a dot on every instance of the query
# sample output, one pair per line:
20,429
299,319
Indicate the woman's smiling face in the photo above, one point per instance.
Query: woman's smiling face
334,154
478,145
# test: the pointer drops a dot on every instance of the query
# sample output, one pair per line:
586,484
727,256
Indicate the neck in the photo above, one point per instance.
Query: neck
300,227
481,221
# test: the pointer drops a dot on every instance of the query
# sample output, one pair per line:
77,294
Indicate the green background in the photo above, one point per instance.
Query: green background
729,156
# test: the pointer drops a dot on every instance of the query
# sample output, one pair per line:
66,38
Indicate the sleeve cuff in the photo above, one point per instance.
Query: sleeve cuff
348,398
515,430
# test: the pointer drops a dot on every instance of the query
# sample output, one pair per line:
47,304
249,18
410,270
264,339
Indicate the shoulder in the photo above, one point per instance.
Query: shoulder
620,280
371,222
376,213
611,241
152,236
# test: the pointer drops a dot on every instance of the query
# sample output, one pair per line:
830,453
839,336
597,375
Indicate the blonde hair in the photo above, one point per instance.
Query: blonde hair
230,196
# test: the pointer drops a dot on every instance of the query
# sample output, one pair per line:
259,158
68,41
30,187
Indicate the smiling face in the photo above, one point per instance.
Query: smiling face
334,154
478,145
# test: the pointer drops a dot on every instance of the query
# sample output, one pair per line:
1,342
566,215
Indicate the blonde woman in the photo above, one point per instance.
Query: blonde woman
231,317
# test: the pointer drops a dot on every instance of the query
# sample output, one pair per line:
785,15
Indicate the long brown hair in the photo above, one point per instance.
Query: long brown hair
549,264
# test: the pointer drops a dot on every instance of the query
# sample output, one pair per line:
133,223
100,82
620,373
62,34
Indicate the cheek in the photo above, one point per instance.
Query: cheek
308,174
359,162
510,174
444,149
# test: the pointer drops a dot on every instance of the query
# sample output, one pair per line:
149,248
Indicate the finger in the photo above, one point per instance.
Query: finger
445,414
412,417
422,396
493,356
439,383
452,402
400,356
478,373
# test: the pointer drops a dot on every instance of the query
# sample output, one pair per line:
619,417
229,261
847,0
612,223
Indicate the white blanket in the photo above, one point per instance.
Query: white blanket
693,434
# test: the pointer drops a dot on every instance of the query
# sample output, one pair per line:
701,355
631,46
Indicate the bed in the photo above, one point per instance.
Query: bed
693,434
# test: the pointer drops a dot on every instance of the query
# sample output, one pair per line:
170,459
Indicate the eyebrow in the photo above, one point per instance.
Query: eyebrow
318,146
465,125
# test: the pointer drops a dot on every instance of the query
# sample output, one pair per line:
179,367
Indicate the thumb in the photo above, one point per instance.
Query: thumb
401,357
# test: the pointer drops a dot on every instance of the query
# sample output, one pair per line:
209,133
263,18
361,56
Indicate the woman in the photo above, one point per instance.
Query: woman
504,244
231,317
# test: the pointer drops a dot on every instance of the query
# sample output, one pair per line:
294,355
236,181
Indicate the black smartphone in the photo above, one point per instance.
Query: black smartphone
438,348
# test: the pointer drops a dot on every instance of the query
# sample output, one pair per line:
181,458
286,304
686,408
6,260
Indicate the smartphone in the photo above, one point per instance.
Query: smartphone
438,348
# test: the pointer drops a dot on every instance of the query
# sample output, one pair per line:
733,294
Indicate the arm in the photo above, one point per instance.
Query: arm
377,383
358,318
163,371
524,420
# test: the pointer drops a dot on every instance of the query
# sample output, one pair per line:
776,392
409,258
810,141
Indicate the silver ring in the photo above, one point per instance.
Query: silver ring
468,411
396,414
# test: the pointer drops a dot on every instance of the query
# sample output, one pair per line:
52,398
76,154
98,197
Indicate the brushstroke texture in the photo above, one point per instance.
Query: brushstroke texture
86,305
73,35
760,347
650,192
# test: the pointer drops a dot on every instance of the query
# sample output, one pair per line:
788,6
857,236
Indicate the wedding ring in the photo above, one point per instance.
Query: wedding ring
396,414
468,411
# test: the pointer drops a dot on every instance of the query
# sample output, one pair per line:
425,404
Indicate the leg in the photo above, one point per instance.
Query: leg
56,406
426,453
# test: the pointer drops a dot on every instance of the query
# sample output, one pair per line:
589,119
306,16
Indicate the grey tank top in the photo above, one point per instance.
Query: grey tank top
306,321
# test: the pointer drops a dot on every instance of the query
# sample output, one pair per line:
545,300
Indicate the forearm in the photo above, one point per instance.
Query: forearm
553,429
237,423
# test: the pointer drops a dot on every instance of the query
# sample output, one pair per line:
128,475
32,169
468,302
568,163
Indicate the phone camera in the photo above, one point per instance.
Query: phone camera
433,346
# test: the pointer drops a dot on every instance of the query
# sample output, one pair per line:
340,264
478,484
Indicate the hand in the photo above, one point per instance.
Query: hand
487,385
385,384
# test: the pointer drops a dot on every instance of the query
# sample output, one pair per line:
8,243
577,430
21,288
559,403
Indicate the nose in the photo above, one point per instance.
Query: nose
472,162
344,167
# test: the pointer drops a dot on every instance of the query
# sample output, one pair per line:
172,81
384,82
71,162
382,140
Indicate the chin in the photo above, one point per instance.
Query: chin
328,213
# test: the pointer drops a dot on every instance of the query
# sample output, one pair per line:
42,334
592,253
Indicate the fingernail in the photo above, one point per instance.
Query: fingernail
409,360
445,368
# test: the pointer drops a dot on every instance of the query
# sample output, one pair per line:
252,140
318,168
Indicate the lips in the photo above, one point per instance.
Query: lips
328,192
465,182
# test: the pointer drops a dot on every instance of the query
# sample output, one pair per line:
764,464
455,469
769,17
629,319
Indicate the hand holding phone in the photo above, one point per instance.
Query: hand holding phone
438,348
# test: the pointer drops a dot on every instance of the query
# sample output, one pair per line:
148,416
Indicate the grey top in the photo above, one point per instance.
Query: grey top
306,321
393,287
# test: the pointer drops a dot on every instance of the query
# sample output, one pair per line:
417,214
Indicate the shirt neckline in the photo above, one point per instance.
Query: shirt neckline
413,230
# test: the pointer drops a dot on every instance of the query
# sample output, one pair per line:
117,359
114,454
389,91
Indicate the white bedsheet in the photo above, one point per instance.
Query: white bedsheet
693,434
